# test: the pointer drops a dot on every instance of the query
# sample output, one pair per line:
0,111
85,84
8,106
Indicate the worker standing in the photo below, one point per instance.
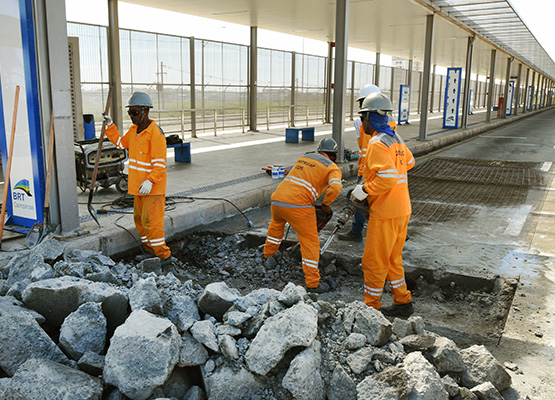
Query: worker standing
385,187
293,202
359,220
147,175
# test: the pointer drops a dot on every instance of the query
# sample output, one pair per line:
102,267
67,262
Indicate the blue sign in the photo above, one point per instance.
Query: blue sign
404,104
452,98
19,68
510,96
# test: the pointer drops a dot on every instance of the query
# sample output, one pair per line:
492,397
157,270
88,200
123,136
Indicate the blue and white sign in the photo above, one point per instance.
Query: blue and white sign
18,67
404,104
452,98
510,96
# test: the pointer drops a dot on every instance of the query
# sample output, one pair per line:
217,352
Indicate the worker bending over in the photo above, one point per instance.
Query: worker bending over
386,189
147,175
359,220
293,202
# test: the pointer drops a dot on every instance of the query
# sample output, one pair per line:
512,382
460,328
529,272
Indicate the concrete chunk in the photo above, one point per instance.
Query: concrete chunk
303,378
144,296
427,382
446,356
482,367
84,330
192,352
341,386
216,299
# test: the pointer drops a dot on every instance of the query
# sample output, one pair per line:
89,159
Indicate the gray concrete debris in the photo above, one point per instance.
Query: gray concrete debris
256,298
217,298
360,359
57,298
49,249
354,341
10,305
482,367
138,373
228,347
226,383
486,391
150,265
182,311
303,378
296,326
450,385
176,386
291,294
32,268
16,290
398,379
236,318
192,352
21,339
84,330
418,343
446,356
91,363
417,324
91,257
360,318
204,332
466,394
39,379
426,380
144,296
402,328
341,386
195,393
372,389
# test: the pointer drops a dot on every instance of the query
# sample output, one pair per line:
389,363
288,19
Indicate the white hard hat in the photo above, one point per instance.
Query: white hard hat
376,102
366,90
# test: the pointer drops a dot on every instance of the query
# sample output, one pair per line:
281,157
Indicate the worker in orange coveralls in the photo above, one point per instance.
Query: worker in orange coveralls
386,189
147,175
293,202
359,220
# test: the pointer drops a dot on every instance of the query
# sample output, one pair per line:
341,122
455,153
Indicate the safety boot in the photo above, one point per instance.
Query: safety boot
350,237
168,261
322,287
398,310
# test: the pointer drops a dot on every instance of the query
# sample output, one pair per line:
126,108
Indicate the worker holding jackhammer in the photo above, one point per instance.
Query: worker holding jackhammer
293,202
385,188
147,175
359,220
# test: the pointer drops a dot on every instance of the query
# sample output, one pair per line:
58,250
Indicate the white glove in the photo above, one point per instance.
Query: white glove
358,193
145,187
107,119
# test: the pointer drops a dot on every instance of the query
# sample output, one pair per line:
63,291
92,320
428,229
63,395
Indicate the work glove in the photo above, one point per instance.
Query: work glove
145,187
107,119
358,194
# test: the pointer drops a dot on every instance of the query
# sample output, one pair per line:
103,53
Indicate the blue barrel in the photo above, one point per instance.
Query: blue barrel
88,121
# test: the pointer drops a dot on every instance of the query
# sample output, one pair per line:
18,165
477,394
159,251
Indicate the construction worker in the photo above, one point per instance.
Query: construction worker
147,175
293,202
359,220
385,188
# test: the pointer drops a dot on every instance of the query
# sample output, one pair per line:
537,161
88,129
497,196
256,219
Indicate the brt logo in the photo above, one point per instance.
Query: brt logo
22,185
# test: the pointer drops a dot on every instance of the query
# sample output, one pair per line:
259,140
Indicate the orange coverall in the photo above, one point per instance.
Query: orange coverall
385,180
293,202
362,140
147,160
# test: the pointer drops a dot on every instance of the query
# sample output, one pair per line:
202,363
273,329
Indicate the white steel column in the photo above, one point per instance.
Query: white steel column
425,89
293,87
526,91
116,108
327,99
491,84
517,89
193,97
377,70
467,79
340,76
253,85
432,91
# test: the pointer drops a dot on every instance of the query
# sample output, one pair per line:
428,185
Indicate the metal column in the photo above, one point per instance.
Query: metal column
526,91
517,89
116,108
377,70
55,97
327,114
409,73
253,78
433,89
352,89
533,91
293,67
467,79
491,84
193,87
425,89
340,76
506,91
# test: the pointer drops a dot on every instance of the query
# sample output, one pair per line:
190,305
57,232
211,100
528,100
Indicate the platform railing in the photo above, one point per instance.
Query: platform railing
290,113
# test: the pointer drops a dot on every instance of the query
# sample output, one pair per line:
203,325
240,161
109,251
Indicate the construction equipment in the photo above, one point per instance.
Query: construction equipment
344,216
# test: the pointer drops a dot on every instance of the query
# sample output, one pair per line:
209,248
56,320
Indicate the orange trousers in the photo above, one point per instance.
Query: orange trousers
383,259
303,221
148,213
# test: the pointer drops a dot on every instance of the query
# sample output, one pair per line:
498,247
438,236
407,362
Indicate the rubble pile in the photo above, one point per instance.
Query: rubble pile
78,325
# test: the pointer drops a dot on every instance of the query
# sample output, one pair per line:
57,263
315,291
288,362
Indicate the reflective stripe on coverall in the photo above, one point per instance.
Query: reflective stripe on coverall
293,202
385,181
362,140
147,160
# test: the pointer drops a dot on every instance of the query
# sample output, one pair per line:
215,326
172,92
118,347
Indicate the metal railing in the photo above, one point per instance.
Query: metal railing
290,113
193,118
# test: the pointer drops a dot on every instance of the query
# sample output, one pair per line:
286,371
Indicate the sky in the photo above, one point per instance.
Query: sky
536,14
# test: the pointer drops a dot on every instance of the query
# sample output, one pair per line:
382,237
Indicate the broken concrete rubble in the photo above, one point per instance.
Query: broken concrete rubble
174,339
